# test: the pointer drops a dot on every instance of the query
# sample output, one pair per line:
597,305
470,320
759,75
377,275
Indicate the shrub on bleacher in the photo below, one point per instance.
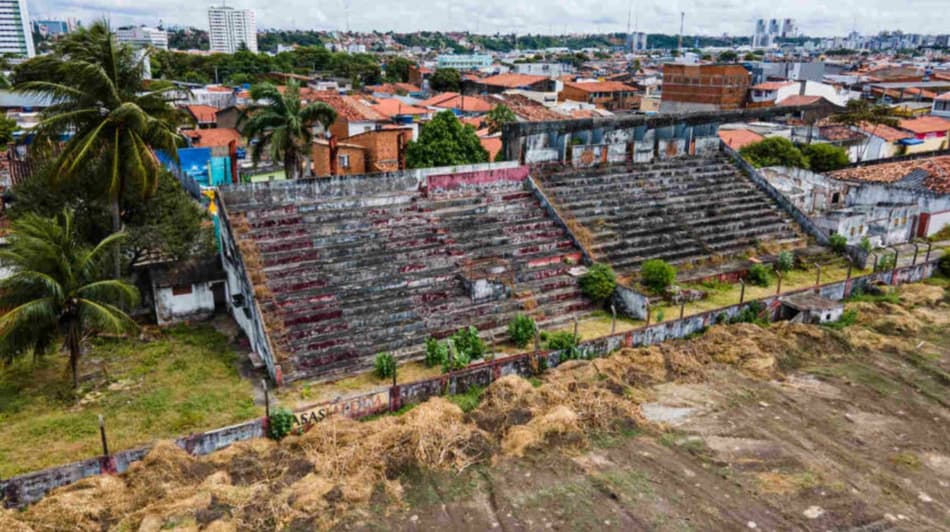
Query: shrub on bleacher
385,365
469,343
758,275
865,244
521,330
838,243
785,262
455,358
824,157
657,275
436,352
599,282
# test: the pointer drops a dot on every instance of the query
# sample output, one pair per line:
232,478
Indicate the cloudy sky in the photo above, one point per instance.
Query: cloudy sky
735,17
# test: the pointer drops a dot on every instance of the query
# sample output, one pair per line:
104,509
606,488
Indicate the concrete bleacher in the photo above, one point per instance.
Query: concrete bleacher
353,273
679,210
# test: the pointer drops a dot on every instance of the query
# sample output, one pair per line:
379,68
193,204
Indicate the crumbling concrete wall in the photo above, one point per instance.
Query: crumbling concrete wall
196,304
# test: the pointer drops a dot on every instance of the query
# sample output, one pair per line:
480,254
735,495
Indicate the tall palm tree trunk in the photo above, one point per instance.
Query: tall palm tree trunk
116,227
73,344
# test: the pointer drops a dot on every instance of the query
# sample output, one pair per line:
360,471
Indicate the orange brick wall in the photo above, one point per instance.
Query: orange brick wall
382,148
725,86
321,160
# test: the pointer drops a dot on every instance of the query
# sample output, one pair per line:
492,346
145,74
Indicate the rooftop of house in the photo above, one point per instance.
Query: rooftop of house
525,108
739,138
797,100
885,132
926,124
839,133
511,80
393,88
600,86
202,113
932,173
492,145
453,100
213,138
772,85
390,107
346,107
945,97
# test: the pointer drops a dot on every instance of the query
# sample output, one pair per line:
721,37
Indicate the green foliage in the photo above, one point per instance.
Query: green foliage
758,275
469,399
280,423
469,343
824,157
660,315
455,360
784,262
885,263
58,290
848,318
838,243
561,340
865,244
498,116
7,128
751,313
728,56
943,265
774,151
599,282
445,80
521,330
861,112
445,141
436,352
657,275
397,69
283,124
384,366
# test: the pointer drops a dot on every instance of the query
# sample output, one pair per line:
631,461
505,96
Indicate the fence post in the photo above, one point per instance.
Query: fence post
817,275
102,435
613,320
916,250
778,287
682,308
266,398
874,267
575,327
929,246
648,314
741,291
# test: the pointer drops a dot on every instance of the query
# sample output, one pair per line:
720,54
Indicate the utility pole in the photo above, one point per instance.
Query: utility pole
679,42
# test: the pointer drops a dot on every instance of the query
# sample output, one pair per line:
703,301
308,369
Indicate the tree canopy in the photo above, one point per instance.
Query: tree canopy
445,79
445,141
774,151
498,116
823,157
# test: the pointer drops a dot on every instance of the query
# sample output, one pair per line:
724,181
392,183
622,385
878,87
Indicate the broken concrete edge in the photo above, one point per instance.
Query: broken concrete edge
30,487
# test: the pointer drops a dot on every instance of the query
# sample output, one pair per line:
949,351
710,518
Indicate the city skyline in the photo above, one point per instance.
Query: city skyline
812,17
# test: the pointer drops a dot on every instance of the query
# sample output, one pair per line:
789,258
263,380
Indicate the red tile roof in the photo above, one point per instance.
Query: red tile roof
887,133
943,97
511,80
452,100
393,88
204,114
937,169
390,107
218,88
772,85
926,124
739,138
600,86
838,133
492,145
526,108
213,138
798,99
346,106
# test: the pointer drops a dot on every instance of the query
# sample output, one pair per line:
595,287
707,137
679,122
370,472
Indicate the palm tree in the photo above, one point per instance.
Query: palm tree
57,289
283,123
861,114
100,95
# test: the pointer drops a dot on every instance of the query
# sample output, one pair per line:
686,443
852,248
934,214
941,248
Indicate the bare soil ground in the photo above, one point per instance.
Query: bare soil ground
791,427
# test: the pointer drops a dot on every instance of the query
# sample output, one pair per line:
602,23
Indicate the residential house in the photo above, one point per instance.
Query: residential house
941,105
883,141
739,138
929,133
230,116
402,114
419,75
611,95
218,139
381,150
773,93
337,158
691,88
203,115
458,103
353,115
503,82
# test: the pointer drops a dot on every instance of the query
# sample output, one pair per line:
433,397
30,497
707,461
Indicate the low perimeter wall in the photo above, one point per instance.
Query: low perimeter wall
31,487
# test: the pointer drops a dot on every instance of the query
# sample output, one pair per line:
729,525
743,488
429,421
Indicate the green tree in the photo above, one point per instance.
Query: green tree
774,151
445,79
397,69
445,141
118,120
864,114
599,282
498,116
283,124
824,157
784,262
728,56
57,290
7,127
657,275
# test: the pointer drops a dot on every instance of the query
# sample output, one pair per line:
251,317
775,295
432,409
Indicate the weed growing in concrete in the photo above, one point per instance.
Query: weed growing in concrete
385,365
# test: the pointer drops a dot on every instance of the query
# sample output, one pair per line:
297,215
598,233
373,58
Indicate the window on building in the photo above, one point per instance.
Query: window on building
344,161
183,290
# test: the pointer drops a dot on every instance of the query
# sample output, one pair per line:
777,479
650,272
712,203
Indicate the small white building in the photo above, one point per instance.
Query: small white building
186,292
811,308
941,105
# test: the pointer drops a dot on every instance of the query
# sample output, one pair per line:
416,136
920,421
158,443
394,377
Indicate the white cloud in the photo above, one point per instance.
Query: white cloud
736,17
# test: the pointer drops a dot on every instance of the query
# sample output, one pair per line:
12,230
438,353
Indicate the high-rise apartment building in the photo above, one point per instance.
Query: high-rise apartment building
636,41
788,29
229,27
143,37
16,35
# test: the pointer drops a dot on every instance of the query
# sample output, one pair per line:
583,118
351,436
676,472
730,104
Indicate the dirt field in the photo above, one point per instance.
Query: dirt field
791,427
